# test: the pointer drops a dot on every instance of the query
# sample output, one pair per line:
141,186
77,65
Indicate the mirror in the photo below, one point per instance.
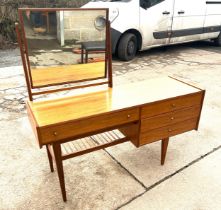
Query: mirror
64,45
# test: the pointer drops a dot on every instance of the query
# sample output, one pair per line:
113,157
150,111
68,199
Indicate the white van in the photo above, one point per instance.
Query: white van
144,24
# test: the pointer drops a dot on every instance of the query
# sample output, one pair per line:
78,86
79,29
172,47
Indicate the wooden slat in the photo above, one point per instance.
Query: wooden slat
78,153
98,139
112,133
88,143
106,137
118,134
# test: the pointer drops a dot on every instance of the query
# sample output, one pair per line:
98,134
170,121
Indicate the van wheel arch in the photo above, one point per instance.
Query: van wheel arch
138,36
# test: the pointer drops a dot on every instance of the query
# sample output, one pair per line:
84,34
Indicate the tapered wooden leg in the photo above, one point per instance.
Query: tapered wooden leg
164,145
50,159
59,164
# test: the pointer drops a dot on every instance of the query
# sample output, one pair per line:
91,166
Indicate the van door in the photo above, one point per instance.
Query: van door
155,21
212,24
188,20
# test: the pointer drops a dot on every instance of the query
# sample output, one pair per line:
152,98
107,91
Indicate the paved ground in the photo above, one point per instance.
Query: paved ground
121,177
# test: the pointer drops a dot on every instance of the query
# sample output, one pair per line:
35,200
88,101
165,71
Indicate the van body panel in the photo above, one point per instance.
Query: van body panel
163,22
153,22
125,9
188,20
213,19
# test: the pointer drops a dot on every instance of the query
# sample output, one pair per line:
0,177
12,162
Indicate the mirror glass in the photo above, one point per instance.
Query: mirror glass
64,45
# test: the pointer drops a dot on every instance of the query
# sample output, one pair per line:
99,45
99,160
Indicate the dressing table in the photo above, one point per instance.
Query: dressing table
98,115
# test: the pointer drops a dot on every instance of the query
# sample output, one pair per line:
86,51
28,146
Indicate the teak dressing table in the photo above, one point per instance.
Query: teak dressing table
101,117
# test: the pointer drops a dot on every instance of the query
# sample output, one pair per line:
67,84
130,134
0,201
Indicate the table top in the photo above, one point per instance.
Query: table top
103,100
67,73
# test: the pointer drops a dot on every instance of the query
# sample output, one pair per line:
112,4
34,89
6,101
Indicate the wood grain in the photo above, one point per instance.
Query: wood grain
54,133
67,73
169,118
164,145
171,105
99,109
132,132
102,100
167,131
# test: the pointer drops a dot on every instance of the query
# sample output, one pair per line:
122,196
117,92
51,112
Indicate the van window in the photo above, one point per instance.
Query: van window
149,3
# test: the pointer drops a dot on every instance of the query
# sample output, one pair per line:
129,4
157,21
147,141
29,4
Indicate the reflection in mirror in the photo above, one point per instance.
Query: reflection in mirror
65,45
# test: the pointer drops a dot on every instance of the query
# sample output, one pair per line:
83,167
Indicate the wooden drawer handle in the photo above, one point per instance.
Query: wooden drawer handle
172,118
169,130
128,116
55,133
173,105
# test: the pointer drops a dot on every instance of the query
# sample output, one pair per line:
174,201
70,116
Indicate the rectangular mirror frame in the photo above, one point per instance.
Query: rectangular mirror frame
26,62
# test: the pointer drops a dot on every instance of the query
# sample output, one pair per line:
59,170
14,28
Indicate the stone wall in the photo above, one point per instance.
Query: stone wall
8,14
79,25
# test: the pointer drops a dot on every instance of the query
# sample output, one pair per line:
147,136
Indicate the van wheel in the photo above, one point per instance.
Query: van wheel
127,47
217,41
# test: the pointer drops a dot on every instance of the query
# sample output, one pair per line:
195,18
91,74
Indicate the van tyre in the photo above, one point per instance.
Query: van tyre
127,47
217,41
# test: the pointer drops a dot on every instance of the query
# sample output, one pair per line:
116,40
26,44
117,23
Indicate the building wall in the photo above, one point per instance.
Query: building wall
79,26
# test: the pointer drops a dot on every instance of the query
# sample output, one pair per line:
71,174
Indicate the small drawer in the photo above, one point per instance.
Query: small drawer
87,125
171,105
167,131
169,118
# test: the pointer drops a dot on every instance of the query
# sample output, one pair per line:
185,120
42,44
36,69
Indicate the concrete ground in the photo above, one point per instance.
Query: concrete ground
121,177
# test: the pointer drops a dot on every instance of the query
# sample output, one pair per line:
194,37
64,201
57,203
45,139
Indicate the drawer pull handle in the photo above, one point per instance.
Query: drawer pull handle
173,105
169,130
128,116
55,133
172,118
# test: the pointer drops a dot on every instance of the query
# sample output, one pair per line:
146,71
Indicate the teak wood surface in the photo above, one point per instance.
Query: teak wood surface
45,76
142,112
105,100
34,89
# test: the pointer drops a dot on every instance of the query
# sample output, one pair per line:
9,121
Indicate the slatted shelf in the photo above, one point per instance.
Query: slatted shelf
91,143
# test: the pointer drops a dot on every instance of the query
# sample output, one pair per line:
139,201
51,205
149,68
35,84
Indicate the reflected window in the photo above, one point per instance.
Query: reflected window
149,3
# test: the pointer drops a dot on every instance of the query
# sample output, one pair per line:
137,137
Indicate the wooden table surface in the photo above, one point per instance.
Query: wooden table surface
104,100
67,73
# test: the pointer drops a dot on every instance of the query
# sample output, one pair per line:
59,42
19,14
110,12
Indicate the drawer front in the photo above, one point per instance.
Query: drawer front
168,131
171,105
89,125
169,118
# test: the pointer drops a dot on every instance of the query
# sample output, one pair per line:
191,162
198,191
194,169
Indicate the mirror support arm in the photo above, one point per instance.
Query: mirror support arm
110,75
22,51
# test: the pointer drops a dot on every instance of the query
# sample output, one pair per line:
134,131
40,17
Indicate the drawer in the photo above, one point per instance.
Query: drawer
168,131
171,104
86,126
169,118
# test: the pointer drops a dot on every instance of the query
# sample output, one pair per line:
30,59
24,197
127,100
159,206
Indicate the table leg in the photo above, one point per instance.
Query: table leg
59,164
164,145
50,159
